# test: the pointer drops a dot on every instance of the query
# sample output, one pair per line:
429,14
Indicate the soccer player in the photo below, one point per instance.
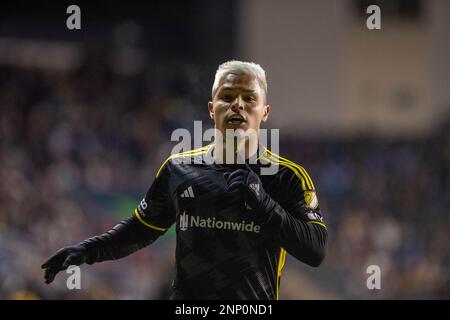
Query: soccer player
233,224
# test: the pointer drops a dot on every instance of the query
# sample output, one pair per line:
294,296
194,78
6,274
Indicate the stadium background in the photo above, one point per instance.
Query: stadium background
86,119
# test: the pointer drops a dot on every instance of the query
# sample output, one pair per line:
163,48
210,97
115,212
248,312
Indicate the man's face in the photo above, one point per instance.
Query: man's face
239,103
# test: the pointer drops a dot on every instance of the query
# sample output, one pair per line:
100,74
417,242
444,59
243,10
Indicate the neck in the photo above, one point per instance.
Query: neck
227,150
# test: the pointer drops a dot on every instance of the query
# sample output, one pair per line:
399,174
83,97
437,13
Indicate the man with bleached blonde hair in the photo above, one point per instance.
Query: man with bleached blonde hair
245,81
233,224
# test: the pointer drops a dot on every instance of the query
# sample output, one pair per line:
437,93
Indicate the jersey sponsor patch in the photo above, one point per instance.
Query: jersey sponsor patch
311,199
192,221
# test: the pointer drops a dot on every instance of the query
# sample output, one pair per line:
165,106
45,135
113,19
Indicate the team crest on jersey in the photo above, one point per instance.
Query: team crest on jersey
311,199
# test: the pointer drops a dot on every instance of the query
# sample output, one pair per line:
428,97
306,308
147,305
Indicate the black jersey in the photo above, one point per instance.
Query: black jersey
222,252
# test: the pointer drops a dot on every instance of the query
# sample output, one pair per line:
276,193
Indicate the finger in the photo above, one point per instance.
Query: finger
238,185
67,262
50,261
236,173
54,258
50,270
236,179
53,267
70,260
235,194
241,175
47,274
50,275
50,278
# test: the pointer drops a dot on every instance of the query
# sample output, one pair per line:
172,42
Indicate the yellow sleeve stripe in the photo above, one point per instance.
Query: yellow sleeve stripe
194,152
281,262
300,168
262,155
162,166
305,186
147,224
319,223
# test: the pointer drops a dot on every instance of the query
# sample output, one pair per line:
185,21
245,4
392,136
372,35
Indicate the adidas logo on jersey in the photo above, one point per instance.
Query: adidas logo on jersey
255,187
188,193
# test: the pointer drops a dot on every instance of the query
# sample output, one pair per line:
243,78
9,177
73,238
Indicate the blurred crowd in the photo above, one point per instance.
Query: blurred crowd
79,149
387,204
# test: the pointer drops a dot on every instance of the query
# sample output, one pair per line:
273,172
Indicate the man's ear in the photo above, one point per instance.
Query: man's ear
266,112
211,109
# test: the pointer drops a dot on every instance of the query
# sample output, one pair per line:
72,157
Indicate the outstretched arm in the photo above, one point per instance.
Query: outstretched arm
125,238
152,218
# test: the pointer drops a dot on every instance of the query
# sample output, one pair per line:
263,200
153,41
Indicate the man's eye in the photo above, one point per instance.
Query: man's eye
227,98
249,98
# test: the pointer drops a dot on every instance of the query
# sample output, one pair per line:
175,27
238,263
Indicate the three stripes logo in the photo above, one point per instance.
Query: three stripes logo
255,187
188,193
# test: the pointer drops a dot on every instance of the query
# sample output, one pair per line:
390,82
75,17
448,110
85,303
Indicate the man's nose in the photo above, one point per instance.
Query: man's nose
238,104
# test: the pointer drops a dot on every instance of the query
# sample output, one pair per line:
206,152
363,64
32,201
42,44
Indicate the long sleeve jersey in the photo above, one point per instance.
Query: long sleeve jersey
224,249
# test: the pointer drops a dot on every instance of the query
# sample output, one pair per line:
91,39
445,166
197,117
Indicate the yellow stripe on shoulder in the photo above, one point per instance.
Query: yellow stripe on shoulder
193,152
287,165
301,170
304,182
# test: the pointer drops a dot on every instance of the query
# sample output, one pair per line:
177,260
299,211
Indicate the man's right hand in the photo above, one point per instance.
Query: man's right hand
62,259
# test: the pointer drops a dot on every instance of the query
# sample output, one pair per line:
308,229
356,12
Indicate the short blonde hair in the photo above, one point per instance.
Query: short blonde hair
240,68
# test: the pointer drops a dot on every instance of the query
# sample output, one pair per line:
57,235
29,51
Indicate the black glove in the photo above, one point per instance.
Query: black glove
247,182
62,259
125,238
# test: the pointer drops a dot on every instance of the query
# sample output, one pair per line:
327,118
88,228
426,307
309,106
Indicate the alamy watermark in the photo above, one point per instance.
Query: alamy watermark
74,280
73,22
374,280
373,22
234,139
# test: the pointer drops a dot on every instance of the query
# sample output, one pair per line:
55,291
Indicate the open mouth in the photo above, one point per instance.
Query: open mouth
236,120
